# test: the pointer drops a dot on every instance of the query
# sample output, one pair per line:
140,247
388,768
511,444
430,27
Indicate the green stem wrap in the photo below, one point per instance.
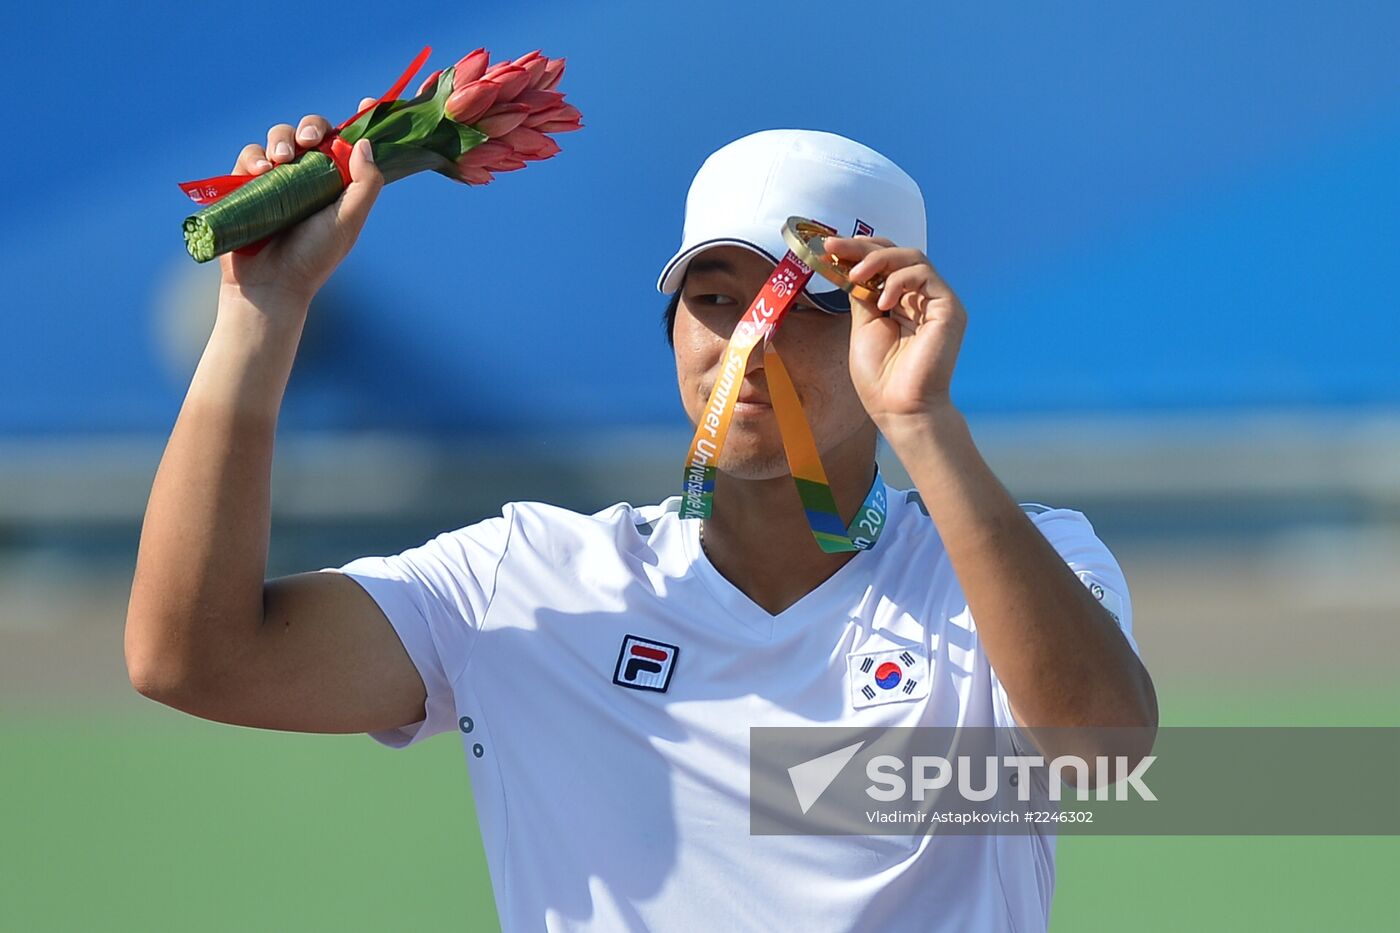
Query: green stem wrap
273,201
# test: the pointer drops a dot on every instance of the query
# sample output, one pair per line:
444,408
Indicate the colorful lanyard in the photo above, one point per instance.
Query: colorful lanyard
758,324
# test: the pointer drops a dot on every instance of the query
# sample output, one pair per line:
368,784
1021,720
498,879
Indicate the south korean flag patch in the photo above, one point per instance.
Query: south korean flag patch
889,676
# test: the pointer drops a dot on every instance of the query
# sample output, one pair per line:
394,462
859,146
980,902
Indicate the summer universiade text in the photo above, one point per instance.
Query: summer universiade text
707,449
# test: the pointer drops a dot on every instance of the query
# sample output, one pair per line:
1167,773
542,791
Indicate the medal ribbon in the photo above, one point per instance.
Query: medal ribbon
758,324
807,472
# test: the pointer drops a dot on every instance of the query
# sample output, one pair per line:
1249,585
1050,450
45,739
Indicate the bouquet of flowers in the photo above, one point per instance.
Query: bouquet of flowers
467,122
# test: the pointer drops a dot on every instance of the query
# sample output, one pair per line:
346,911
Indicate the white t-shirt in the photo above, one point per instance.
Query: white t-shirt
603,676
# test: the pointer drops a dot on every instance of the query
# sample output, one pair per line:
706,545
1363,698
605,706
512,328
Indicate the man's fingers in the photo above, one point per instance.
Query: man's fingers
899,282
284,141
365,182
849,246
252,160
311,130
883,260
281,145
848,249
856,251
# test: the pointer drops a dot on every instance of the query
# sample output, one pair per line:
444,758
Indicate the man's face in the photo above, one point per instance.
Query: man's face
720,284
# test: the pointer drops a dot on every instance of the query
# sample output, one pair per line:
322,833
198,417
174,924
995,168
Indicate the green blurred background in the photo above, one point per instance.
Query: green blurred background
119,814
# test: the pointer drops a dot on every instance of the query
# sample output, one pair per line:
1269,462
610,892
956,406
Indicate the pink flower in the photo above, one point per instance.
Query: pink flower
563,118
568,112
539,100
534,63
502,118
429,81
560,126
525,141
560,113
512,79
552,73
474,176
543,116
515,105
549,150
470,103
485,155
470,68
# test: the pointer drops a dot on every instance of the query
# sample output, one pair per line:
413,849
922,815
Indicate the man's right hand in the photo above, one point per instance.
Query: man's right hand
295,263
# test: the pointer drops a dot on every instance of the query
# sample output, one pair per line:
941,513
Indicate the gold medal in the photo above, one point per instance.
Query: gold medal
804,236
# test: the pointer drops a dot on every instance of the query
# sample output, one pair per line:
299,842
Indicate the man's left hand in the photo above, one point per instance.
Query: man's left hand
903,347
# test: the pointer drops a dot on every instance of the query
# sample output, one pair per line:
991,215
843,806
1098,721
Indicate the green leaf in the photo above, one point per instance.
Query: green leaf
447,77
397,161
373,122
417,119
413,136
357,130
468,136
452,139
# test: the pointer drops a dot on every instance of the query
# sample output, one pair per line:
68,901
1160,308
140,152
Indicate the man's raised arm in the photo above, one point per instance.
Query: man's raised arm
205,633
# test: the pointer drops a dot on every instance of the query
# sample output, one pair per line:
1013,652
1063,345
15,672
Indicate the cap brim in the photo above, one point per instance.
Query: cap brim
672,275
836,301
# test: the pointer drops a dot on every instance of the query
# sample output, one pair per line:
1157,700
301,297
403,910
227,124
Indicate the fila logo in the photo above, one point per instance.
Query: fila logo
862,229
888,676
643,664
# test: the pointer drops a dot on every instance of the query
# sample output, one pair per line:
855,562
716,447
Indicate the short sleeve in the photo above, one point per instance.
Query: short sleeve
1073,538
436,597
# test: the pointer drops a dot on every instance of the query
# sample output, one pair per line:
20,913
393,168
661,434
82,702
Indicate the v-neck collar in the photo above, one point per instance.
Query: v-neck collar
834,590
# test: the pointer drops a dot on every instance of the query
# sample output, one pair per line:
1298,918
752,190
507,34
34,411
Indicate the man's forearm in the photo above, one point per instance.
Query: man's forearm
197,590
1058,652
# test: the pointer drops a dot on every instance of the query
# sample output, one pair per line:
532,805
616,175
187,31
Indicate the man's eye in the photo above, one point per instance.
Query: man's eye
713,299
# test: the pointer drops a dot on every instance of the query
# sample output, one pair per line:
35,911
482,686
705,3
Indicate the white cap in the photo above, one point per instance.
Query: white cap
745,191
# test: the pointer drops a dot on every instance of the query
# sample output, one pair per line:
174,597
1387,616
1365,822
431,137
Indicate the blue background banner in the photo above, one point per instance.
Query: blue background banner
1145,207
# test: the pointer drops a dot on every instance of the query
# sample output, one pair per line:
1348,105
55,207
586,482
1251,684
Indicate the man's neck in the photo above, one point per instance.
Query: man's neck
759,538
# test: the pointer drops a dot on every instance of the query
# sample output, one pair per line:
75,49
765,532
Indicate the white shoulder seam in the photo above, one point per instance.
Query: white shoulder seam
495,578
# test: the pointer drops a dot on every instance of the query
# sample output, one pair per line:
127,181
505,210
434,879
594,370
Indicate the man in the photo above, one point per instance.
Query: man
603,671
